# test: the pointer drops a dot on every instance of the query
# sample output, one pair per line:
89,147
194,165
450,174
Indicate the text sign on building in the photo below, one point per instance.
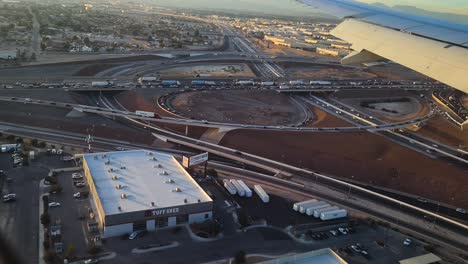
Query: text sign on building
161,212
194,160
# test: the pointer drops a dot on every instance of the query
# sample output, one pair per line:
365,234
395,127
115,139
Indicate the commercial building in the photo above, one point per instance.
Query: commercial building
139,189
320,256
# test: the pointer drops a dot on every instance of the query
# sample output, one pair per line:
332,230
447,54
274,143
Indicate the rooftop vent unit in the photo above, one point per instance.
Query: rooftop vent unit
123,167
176,190
110,170
199,200
119,186
185,200
169,181
164,173
152,204
150,153
159,165
123,196
120,208
114,177
154,158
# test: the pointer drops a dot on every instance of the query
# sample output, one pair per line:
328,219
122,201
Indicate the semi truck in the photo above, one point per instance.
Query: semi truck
144,113
229,187
170,83
320,83
317,212
303,208
102,84
239,189
202,82
310,210
147,79
248,191
335,214
298,204
267,83
245,82
261,193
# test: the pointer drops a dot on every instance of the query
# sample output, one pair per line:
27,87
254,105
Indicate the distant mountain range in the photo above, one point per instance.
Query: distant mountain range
421,12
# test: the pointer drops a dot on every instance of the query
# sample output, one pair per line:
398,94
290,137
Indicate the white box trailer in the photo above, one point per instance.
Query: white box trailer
303,208
310,210
248,191
229,187
8,147
317,212
297,205
335,214
261,193
239,189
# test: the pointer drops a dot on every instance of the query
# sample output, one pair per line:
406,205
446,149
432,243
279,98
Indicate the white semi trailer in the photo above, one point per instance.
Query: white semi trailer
303,208
297,205
248,191
310,210
239,189
261,193
317,212
335,214
229,187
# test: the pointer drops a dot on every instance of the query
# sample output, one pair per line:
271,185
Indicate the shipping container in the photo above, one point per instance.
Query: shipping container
261,193
317,212
298,204
303,208
229,187
310,210
144,113
248,191
320,83
240,190
335,214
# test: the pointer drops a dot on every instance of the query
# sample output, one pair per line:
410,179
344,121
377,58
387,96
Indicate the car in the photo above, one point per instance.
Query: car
8,199
342,231
91,261
333,232
136,234
10,195
77,176
460,210
77,195
120,148
80,184
54,204
407,242
355,248
365,254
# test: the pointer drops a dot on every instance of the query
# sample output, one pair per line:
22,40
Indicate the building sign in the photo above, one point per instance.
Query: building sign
194,160
161,212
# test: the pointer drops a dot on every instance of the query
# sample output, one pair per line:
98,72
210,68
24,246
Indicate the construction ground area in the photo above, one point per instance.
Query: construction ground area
240,107
217,70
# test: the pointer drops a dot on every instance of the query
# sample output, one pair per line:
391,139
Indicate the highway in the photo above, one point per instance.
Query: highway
202,123
409,139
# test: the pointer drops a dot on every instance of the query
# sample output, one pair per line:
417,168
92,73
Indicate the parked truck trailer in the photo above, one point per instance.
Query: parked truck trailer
298,204
303,208
239,189
261,193
335,214
248,191
229,187
310,210
317,212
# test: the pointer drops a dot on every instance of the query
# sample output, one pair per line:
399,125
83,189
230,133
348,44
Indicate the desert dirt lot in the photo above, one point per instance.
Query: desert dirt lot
218,70
443,131
239,106
395,72
317,71
363,156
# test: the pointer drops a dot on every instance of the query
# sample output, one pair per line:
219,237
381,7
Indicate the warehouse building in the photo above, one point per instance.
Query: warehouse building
142,190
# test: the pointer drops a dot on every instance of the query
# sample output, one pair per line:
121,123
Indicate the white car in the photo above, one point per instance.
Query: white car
342,231
77,195
54,204
407,242
9,196
461,211
80,184
77,176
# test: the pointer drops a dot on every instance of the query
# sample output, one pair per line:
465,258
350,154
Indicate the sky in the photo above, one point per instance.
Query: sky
291,7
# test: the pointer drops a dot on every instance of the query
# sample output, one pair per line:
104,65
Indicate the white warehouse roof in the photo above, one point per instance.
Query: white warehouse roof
144,177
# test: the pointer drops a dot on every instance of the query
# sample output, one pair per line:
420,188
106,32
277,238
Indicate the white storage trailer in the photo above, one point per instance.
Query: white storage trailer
229,187
310,210
335,214
297,205
303,208
261,193
248,191
102,84
317,212
239,189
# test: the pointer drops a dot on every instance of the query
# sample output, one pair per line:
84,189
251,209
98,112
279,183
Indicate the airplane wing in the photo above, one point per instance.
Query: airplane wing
433,47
